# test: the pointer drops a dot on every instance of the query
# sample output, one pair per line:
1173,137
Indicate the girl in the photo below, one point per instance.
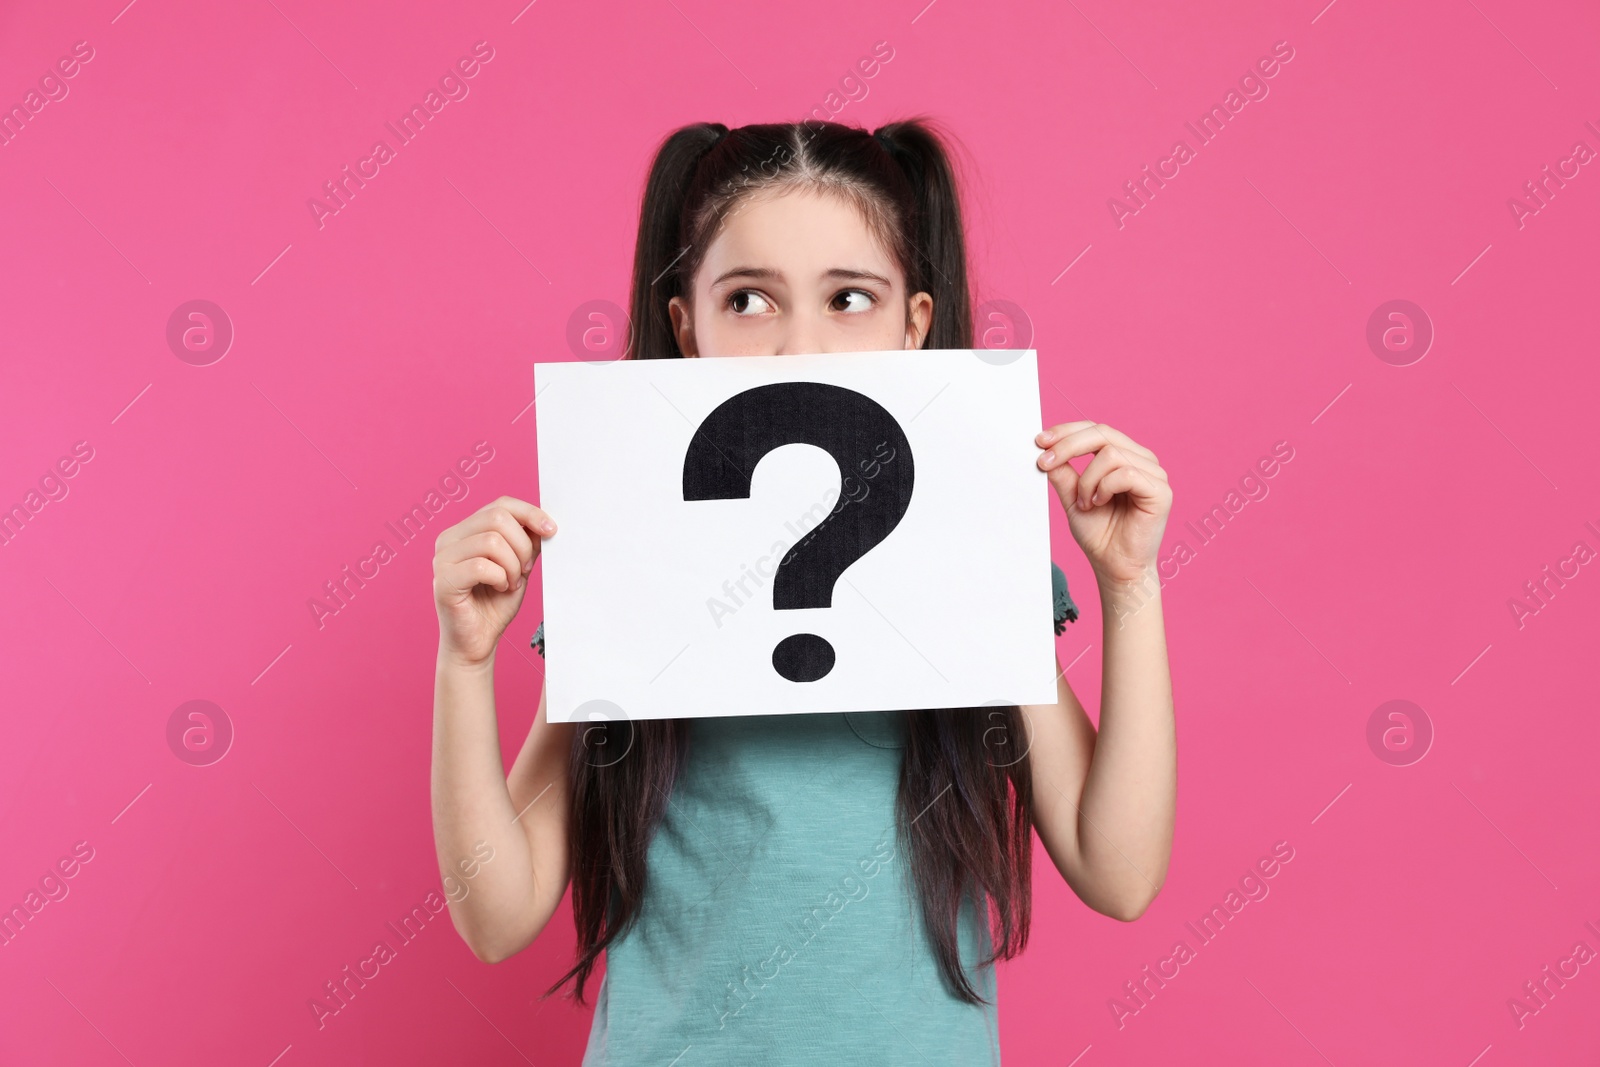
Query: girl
826,888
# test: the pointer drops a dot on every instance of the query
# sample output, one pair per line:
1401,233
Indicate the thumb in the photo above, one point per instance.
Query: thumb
1065,481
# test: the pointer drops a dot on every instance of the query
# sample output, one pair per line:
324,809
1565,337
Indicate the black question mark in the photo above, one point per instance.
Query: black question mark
730,442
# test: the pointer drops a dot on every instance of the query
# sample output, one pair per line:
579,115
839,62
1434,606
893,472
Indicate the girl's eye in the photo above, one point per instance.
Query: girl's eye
739,301
862,305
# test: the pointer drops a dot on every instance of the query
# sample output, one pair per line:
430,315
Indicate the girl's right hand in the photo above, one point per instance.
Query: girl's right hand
480,575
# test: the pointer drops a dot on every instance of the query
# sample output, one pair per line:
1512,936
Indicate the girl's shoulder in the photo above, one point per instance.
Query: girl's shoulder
1065,610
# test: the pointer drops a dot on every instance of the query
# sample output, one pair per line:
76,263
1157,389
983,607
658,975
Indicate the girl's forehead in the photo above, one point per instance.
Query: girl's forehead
800,233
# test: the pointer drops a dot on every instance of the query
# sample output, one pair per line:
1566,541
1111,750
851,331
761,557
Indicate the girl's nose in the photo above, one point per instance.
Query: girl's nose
800,337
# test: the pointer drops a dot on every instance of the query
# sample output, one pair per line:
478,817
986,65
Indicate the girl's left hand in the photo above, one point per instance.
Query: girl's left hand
1117,508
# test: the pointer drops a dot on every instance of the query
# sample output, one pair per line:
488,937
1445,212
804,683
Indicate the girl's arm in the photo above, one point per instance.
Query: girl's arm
1104,804
501,841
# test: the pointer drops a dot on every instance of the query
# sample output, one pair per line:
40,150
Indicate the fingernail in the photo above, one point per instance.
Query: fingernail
1048,457
547,526
528,566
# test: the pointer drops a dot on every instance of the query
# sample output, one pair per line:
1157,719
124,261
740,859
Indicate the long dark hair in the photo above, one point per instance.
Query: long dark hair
963,814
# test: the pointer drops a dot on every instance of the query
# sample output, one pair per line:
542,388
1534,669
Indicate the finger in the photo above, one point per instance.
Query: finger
1065,480
1110,458
457,562
1148,492
464,575
1052,433
514,519
490,544
509,527
529,515
1095,436
1082,438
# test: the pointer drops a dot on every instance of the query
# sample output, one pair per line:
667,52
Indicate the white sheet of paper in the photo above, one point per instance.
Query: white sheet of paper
661,607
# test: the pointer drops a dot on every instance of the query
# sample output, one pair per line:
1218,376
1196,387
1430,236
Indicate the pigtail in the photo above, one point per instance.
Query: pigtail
656,279
965,802
616,802
966,809
620,775
938,238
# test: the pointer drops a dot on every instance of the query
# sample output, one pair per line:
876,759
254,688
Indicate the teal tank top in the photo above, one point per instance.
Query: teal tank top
780,923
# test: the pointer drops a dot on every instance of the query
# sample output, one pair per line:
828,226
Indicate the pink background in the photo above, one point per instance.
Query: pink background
370,354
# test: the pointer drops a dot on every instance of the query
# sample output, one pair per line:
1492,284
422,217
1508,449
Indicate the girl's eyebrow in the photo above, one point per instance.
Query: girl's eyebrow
771,274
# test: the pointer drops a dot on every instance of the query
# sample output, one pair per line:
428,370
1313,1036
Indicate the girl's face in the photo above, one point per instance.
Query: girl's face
798,271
